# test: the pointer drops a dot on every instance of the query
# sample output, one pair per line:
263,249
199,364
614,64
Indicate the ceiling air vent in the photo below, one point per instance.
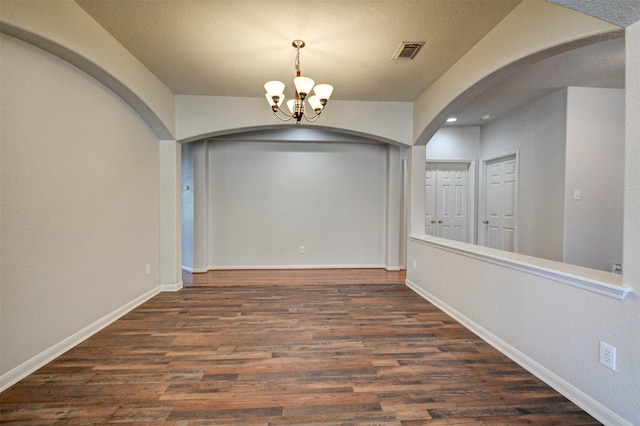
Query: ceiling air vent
408,50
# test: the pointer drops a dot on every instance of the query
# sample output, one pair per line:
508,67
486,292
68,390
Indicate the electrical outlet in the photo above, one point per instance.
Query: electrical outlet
414,264
617,268
608,356
302,249
148,269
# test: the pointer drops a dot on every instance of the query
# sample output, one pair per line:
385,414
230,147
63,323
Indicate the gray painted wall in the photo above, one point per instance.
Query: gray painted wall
80,203
265,200
595,167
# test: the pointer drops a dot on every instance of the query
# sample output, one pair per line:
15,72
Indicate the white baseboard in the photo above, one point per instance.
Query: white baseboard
600,412
393,268
172,287
233,267
23,370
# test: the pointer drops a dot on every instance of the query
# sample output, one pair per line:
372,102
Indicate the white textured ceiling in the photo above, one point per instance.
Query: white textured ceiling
231,47
625,12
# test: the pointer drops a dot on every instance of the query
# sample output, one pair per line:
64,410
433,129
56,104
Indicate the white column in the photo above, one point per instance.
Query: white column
417,158
394,209
170,216
200,155
631,240
187,207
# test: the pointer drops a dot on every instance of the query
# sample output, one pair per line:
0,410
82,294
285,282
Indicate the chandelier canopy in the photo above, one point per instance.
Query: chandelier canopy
303,86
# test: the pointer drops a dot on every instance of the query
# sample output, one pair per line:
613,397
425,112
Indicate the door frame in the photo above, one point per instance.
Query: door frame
482,191
471,193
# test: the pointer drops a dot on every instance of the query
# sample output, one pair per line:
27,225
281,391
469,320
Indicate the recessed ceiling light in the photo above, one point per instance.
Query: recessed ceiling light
485,117
451,120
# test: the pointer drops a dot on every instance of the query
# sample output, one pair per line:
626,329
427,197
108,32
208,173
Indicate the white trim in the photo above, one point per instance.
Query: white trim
472,207
172,287
23,370
393,268
356,266
575,395
604,283
235,267
404,216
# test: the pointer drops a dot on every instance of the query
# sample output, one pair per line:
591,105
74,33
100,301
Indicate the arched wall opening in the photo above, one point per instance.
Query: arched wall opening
462,95
301,133
562,110
292,197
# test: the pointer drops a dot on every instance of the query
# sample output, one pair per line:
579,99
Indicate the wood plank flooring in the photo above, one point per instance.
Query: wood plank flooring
352,347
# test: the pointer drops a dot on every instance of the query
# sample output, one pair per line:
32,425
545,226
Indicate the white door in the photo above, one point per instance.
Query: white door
498,227
430,185
446,213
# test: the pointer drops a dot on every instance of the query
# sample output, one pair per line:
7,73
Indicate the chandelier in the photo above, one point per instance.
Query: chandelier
303,85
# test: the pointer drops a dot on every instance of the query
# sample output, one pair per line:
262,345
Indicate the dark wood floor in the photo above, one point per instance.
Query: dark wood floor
286,347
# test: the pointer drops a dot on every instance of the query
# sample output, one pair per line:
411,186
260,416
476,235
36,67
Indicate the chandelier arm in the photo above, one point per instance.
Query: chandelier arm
284,116
312,118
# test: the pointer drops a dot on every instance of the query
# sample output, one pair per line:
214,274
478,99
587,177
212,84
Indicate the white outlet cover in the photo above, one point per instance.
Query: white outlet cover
608,356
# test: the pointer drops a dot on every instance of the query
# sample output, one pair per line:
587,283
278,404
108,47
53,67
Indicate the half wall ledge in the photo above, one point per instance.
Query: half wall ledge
600,282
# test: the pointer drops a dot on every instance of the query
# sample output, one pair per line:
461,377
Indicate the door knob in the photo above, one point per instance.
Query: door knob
433,221
486,222
440,221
